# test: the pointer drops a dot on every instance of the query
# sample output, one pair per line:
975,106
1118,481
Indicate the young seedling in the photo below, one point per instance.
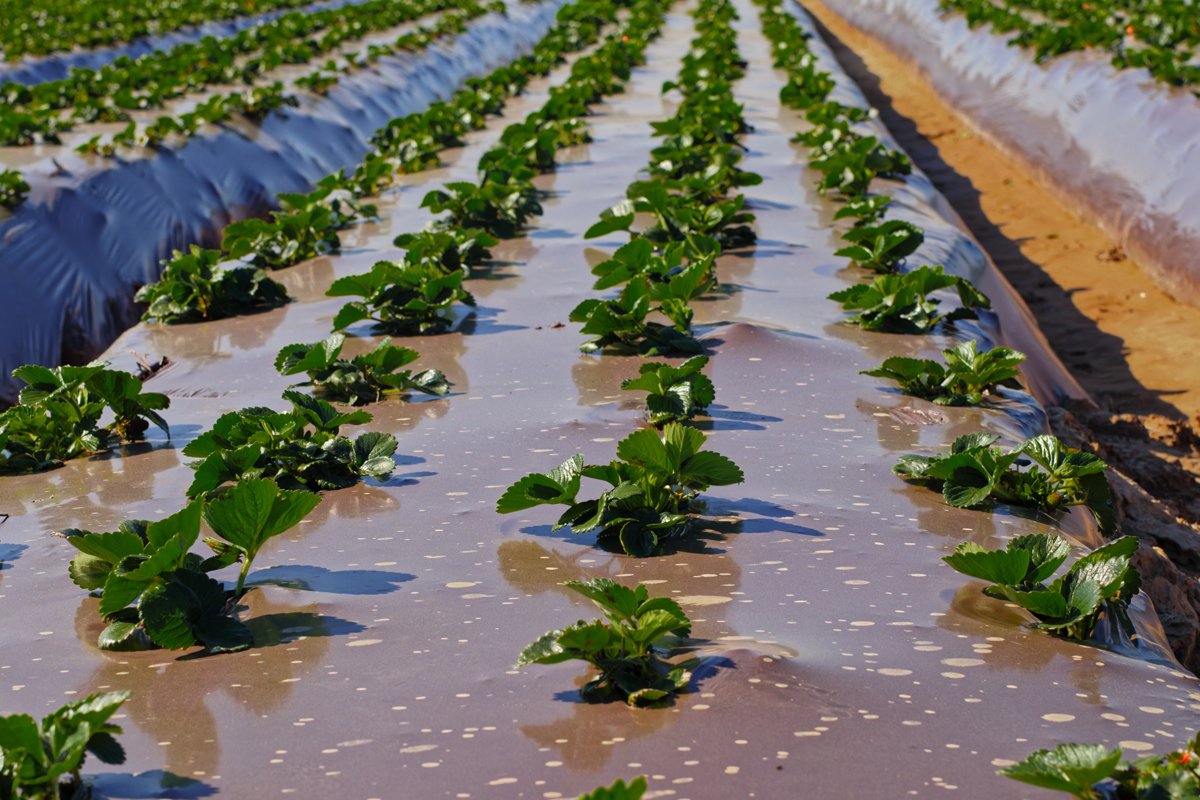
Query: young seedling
966,379
882,247
674,394
197,286
1090,771
156,593
901,303
300,449
59,411
625,649
1100,584
43,761
655,484
975,474
360,380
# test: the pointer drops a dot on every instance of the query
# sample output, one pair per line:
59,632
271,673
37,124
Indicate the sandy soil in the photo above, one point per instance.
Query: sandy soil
1129,344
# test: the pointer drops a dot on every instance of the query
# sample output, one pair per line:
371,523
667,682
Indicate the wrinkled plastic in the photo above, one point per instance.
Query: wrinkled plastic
93,230
1116,145
56,66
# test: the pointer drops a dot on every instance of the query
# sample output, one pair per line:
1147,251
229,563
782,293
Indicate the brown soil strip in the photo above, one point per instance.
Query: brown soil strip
1128,344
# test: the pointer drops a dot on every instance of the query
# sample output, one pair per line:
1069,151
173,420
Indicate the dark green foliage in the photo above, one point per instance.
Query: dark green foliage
623,649
674,393
654,486
1099,585
196,286
402,299
881,247
976,474
900,303
1089,771
42,761
362,379
966,379
300,449
59,411
154,592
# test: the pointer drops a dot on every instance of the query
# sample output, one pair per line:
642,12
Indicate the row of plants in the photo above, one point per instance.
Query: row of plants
256,102
652,489
1161,36
55,26
1040,473
255,466
42,111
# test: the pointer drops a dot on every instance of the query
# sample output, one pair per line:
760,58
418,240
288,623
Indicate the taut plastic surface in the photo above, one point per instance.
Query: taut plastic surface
1118,146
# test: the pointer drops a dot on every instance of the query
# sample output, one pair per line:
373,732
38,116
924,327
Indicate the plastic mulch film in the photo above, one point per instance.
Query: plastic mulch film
1118,146
94,230
835,655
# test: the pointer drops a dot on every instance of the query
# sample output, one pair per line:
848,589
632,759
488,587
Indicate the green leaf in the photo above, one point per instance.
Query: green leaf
707,468
254,510
1070,768
618,791
545,650
1005,567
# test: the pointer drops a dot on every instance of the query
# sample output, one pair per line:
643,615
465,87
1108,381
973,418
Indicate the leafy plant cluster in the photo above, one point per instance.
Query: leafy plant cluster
653,490
42,759
299,449
975,473
361,379
1159,36
256,102
155,593
40,112
56,26
1097,586
418,295
623,649
61,413
13,188
967,378
691,200
1040,473
1090,771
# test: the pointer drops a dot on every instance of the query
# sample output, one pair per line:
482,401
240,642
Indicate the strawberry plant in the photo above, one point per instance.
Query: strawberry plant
655,485
620,324
360,380
13,188
306,226
447,250
674,394
618,791
196,286
900,303
299,449
154,592
42,760
625,649
1089,771
500,203
864,210
1099,585
402,299
966,379
59,411
850,168
975,474
881,247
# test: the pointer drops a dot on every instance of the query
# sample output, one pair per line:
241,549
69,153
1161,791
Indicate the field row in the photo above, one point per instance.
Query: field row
809,606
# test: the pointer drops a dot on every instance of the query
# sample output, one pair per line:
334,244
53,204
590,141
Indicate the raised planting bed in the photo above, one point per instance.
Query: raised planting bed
825,630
